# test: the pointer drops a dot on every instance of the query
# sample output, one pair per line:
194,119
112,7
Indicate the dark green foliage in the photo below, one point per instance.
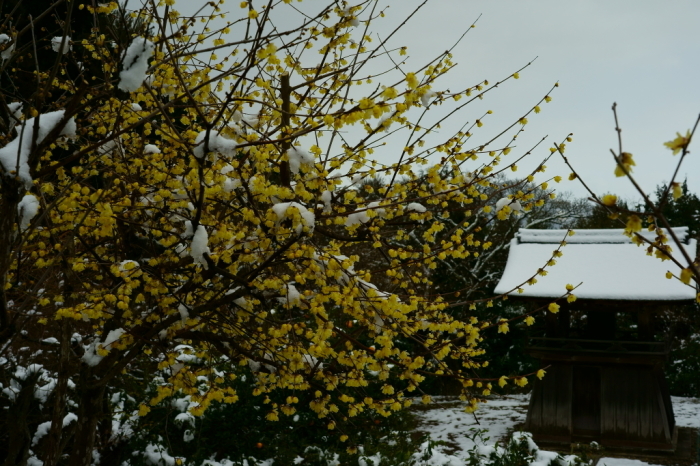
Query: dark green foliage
683,370
240,431
520,450
506,352
600,217
681,327
684,211
34,24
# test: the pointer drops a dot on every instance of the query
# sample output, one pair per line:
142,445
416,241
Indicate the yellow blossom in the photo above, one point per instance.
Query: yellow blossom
553,308
624,165
236,187
634,224
678,144
609,200
686,275
521,381
389,93
677,190
411,80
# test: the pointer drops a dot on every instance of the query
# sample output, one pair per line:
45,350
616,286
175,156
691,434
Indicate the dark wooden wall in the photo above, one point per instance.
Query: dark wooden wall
614,404
634,405
549,414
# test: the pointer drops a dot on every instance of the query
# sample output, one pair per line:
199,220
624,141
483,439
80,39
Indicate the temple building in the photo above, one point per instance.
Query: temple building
604,379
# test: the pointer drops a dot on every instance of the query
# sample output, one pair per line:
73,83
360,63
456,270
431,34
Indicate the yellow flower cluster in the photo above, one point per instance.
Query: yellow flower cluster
198,211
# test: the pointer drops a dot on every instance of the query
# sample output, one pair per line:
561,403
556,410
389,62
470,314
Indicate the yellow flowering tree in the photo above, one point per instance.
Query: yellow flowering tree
170,191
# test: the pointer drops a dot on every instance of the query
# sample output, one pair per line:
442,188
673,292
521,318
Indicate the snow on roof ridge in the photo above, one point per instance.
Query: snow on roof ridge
526,235
612,271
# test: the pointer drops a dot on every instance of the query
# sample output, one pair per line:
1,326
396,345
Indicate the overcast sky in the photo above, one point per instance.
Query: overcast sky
642,54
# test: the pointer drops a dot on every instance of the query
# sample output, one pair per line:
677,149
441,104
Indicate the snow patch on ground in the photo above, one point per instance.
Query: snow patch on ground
445,420
686,411
621,462
449,423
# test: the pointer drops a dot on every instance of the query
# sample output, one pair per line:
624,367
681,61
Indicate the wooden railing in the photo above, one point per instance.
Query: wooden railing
637,352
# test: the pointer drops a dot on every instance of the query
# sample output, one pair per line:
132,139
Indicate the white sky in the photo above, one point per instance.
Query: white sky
642,54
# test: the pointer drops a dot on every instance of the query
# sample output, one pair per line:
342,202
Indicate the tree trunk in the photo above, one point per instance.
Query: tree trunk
9,199
53,448
19,435
89,414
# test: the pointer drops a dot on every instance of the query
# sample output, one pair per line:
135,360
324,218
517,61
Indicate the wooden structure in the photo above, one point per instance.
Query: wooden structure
603,383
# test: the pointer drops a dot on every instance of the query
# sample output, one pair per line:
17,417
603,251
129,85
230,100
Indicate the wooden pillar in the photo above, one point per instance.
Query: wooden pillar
644,328
564,322
551,321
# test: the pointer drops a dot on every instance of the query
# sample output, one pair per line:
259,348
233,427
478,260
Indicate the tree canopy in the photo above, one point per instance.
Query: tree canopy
164,209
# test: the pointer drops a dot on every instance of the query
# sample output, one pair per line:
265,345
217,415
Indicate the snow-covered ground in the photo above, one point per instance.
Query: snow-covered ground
621,462
686,411
446,421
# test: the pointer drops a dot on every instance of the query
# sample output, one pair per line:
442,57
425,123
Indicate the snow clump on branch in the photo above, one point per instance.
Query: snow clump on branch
15,155
135,64
7,53
200,246
92,357
56,44
15,110
416,207
308,219
514,205
427,97
297,157
216,143
27,208
151,149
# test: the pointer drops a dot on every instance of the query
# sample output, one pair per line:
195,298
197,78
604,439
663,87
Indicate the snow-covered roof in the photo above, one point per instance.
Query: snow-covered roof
606,263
